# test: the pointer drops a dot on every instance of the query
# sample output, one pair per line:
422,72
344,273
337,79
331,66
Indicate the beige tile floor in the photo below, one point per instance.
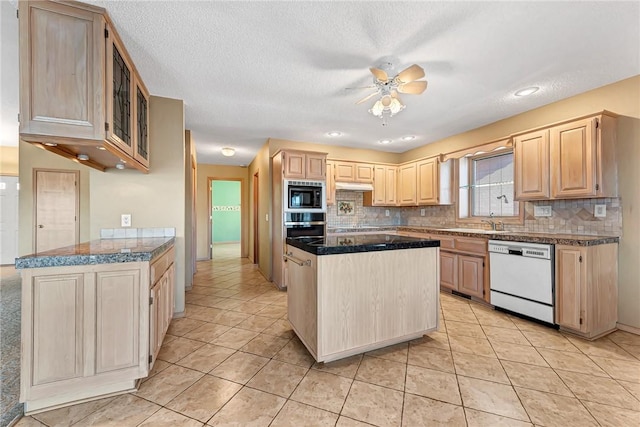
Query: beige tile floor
233,360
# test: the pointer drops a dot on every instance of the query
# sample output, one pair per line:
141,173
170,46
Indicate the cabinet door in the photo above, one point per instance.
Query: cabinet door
316,167
57,324
573,160
120,98
117,320
571,286
407,185
471,275
531,165
154,316
428,185
345,172
293,165
448,270
390,185
331,184
364,173
62,61
141,122
302,295
379,186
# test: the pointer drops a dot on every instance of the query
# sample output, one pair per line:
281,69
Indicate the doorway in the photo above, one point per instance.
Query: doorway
56,209
8,219
225,227
256,204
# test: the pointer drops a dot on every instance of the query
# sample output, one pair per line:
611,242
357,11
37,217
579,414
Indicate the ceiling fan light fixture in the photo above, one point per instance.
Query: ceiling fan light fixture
334,134
527,91
377,109
228,151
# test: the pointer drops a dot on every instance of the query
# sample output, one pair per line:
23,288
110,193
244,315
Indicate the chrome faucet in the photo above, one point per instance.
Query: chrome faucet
490,222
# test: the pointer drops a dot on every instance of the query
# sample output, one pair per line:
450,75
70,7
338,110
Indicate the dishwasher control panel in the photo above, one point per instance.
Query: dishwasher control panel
530,250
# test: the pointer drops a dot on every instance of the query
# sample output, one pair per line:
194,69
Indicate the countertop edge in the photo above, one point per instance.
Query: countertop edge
341,250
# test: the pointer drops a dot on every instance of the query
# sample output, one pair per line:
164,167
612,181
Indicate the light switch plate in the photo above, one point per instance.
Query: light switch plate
600,211
386,212
542,211
125,220
422,212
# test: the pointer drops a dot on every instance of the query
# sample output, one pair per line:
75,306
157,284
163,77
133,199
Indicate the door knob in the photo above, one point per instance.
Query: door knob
40,226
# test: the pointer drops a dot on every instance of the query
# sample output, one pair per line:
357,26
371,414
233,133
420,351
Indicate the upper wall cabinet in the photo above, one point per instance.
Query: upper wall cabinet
331,184
304,165
354,172
79,90
575,159
384,187
425,182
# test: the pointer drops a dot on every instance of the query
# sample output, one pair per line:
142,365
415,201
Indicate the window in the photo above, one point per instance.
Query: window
486,187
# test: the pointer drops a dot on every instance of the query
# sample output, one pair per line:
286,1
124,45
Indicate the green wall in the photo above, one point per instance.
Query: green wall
225,206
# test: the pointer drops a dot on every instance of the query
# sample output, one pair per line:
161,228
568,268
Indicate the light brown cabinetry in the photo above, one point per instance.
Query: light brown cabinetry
574,159
89,330
463,265
384,187
304,165
427,184
407,195
354,172
531,165
78,85
302,295
587,289
331,184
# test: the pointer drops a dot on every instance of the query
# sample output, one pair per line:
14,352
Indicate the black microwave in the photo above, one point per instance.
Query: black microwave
304,196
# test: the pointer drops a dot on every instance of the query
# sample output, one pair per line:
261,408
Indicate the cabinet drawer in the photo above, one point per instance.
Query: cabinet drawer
161,264
465,244
446,242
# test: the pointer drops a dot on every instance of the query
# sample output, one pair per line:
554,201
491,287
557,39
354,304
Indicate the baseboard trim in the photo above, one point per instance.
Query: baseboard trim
627,328
178,315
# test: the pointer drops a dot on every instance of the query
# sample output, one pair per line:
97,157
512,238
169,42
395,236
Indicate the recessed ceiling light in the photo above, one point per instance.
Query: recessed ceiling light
408,138
50,144
83,157
334,133
386,141
527,91
120,166
101,148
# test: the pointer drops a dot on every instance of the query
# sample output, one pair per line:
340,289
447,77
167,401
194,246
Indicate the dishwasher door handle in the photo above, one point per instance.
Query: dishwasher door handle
515,252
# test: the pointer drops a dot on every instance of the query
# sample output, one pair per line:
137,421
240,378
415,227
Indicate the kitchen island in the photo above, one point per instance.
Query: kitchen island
93,318
349,294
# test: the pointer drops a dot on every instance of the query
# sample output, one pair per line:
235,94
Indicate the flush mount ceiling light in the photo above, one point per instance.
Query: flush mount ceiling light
527,91
389,103
228,151
385,141
83,157
334,134
408,138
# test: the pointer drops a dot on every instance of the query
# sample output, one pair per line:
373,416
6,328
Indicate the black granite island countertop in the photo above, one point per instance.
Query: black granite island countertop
102,251
347,244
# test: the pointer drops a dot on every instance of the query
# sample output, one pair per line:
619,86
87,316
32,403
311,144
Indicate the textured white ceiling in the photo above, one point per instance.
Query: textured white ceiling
252,70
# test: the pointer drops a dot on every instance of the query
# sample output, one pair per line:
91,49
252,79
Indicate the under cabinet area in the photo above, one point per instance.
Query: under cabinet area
92,330
587,289
80,93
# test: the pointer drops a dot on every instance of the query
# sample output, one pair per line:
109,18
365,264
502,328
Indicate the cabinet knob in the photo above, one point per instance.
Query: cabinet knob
40,226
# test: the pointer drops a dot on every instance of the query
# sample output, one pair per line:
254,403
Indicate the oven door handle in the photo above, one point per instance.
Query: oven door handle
306,263
304,224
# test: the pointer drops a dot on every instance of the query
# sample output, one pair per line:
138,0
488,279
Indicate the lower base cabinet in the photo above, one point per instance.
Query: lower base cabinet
587,289
91,330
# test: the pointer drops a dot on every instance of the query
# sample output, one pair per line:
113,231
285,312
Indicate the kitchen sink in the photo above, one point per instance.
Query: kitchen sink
473,230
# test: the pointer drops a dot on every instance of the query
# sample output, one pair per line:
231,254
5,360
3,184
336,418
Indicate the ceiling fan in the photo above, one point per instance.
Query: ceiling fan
406,81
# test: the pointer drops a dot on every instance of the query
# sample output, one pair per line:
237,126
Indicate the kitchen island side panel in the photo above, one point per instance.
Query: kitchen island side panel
375,297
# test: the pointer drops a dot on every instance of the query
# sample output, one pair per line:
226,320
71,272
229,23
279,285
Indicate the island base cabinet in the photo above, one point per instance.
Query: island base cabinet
587,289
84,332
346,304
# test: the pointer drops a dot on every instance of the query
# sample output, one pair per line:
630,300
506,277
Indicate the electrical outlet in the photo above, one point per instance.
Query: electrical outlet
600,211
542,211
386,212
423,212
266,217
125,220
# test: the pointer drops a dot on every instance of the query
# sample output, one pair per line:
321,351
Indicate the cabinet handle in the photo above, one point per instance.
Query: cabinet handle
40,226
306,263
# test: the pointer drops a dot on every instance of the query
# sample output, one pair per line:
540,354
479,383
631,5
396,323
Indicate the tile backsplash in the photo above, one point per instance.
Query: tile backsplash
134,233
567,216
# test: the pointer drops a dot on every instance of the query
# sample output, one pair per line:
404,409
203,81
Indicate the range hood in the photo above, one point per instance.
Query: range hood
353,186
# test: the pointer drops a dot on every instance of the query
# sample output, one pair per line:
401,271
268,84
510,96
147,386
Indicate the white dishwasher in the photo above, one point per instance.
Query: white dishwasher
522,278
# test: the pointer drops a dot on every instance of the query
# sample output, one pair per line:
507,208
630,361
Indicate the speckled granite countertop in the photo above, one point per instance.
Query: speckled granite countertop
555,239
347,244
103,251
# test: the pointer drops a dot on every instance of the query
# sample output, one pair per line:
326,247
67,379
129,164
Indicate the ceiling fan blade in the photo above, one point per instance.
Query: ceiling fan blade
379,74
366,98
410,74
360,87
413,88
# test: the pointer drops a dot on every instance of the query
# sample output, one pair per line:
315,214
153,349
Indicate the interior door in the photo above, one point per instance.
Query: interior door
56,209
8,219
